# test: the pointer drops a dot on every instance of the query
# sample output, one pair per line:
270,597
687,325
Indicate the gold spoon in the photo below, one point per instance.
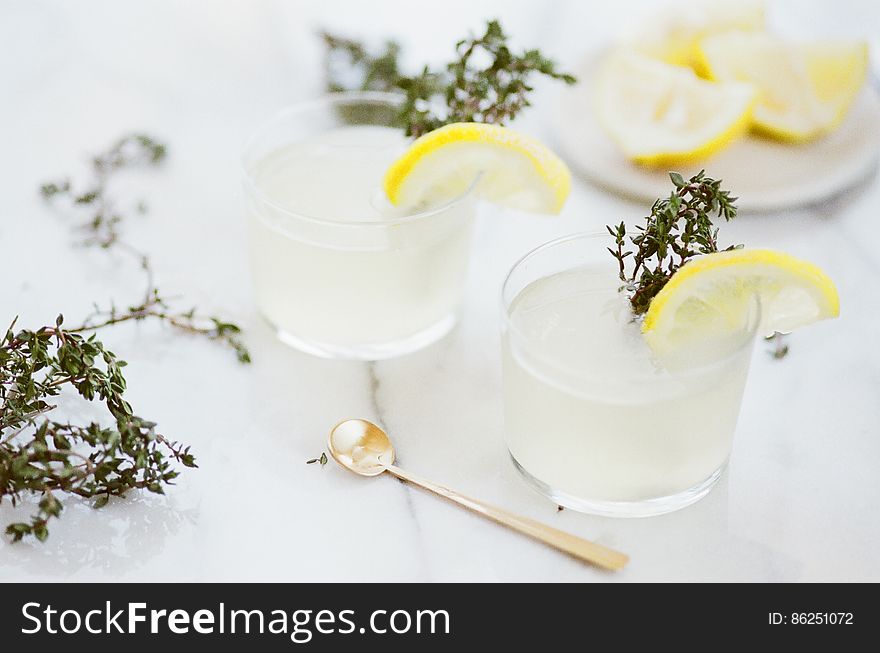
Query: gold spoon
366,449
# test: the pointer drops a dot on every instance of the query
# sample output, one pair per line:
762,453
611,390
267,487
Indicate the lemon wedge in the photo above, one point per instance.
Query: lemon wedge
709,297
673,34
805,90
661,114
513,170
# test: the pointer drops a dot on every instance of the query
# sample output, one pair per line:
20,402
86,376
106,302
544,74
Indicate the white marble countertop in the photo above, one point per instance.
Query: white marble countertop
799,501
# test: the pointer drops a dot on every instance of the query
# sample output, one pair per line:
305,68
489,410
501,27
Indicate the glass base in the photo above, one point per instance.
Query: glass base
370,351
647,508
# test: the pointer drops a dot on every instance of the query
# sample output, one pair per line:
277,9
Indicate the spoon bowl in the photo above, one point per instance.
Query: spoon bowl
361,446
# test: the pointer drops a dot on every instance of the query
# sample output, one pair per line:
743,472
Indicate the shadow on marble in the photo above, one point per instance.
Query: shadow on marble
127,534
696,543
836,204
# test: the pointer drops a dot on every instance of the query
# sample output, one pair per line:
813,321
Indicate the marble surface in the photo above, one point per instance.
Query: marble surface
799,501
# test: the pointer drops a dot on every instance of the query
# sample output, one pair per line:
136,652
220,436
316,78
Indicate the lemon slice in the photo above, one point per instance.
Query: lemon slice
513,170
661,114
673,34
805,89
709,297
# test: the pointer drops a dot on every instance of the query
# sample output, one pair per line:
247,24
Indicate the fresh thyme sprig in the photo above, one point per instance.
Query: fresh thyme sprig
157,307
487,82
46,457
678,229
103,229
350,66
154,306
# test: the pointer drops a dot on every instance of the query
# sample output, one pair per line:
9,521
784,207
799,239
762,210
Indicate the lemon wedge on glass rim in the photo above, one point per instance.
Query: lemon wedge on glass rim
514,170
661,114
805,89
710,295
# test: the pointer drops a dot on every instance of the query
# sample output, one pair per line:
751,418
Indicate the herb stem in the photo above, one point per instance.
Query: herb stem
486,81
678,229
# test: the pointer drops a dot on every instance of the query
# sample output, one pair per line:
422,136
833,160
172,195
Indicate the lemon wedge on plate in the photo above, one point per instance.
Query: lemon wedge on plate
513,170
673,34
660,114
805,89
709,297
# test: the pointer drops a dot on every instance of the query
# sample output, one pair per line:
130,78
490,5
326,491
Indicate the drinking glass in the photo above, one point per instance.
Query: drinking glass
365,283
594,418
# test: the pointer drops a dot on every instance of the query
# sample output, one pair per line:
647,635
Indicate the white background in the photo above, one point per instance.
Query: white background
798,502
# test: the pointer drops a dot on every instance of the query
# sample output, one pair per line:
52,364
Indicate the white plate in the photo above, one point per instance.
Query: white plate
765,175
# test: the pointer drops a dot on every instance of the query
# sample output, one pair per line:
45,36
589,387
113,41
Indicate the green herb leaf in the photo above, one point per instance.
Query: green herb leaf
322,459
42,456
49,457
486,82
350,66
678,229
103,228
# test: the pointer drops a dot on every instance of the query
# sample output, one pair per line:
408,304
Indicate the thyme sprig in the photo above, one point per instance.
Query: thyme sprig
679,228
486,82
41,452
158,308
350,66
49,457
103,228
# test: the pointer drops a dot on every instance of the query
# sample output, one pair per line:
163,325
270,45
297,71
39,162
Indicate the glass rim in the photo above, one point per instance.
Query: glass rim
749,334
329,100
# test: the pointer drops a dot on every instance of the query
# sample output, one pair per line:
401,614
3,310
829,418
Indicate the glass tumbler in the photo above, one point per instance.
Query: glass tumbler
336,269
593,417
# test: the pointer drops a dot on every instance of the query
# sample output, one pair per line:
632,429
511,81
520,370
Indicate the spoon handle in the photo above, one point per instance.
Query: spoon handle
565,542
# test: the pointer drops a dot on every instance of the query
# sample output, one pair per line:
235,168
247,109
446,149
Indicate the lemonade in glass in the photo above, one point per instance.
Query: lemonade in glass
594,418
338,270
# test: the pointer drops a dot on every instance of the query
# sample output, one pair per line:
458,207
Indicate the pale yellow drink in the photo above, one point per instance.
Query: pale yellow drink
337,270
593,416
